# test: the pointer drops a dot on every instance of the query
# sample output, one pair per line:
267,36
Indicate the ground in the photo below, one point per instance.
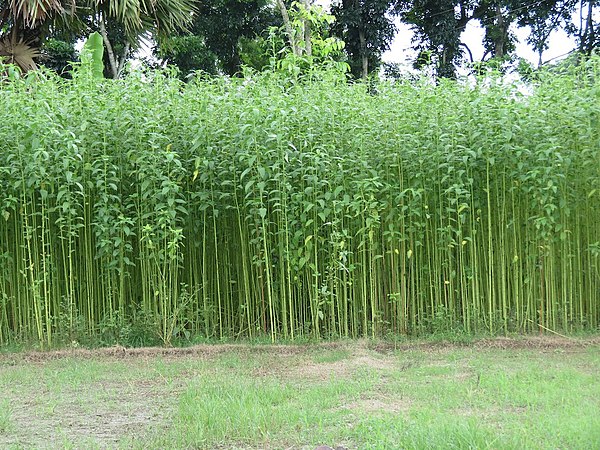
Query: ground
497,393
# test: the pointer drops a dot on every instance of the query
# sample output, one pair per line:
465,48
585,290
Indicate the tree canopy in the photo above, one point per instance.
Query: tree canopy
438,25
367,28
215,38
24,25
219,36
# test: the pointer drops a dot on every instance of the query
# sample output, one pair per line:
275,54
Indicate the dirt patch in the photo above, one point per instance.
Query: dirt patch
79,419
316,371
197,351
359,358
372,362
109,409
490,414
544,342
538,343
379,405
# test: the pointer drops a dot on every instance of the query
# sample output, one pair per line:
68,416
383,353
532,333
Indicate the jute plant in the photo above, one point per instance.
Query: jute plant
261,206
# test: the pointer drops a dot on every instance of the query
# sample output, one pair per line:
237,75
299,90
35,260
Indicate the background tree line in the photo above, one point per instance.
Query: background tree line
221,36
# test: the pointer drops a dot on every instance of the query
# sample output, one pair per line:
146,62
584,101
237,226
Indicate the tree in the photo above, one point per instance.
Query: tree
20,27
57,54
307,30
545,18
217,35
58,47
588,32
496,18
298,29
438,25
25,24
367,28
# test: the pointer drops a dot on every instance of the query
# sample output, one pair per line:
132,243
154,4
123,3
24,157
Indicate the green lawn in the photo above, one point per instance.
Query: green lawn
529,393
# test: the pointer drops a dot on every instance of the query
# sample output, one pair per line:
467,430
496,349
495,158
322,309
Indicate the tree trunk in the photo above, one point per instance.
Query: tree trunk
123,59
363,52
589,36
112,60
500,38
462,44
362,40
446,67
4,16
288,28
307,32
116,64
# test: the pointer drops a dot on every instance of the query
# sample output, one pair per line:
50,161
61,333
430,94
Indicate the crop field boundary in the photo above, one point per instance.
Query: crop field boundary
544,342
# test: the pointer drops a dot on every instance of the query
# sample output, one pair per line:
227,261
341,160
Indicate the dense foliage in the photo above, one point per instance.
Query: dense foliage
367,28
26,25
315,207
217,36
220,36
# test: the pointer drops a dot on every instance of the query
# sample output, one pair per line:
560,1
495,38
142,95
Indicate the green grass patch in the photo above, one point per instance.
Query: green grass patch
6,423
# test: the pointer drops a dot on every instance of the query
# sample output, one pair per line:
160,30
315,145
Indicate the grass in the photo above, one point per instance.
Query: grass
521,394
5,417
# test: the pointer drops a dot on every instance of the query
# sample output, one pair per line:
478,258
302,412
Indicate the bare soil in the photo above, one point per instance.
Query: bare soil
542,342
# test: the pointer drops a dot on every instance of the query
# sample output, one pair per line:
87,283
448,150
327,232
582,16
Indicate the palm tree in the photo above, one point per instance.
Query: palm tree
23,23
20,22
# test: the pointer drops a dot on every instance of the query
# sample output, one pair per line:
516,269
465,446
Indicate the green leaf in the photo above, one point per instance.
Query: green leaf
92,55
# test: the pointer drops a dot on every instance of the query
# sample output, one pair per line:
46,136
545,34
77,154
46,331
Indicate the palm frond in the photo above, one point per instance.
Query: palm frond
138,16
19,53
125,11
169,15
35,11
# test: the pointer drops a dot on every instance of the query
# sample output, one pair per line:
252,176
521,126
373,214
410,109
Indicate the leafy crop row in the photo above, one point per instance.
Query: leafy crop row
264,206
